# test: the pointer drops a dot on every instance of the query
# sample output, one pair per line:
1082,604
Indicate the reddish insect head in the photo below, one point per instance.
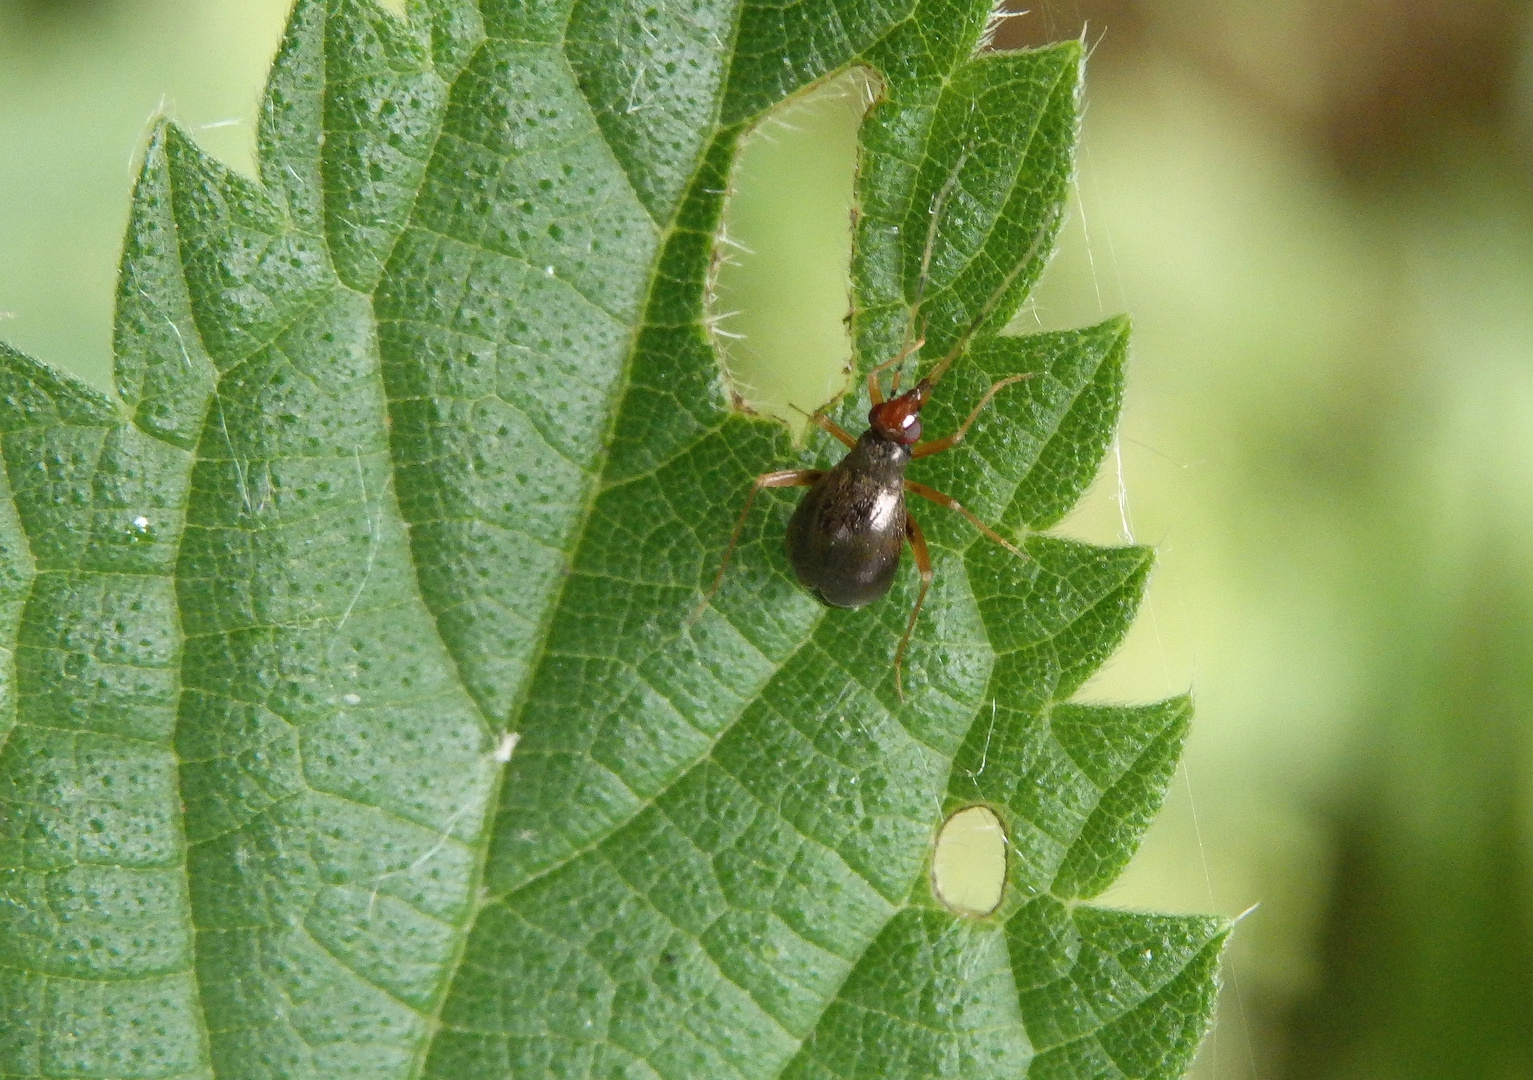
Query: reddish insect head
899,419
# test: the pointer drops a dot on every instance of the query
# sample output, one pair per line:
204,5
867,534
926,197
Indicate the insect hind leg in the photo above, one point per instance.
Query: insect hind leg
923,559
784,478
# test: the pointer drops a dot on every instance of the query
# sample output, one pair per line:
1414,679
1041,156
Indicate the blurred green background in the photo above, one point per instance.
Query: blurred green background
1320,216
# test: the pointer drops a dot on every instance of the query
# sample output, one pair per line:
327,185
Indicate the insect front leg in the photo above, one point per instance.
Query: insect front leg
936,446
785,478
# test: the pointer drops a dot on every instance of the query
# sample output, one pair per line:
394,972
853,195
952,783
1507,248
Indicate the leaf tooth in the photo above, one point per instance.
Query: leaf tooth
1088,383
290,131
249,272
383,110
1129,754
162,370
1114,992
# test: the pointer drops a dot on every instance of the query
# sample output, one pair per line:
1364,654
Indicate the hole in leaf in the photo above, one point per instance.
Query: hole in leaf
969,863
780,295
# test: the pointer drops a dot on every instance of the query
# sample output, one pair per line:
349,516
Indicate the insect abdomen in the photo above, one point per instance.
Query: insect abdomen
845,537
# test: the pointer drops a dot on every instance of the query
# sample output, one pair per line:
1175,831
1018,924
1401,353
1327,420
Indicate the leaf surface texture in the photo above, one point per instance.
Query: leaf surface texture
420,441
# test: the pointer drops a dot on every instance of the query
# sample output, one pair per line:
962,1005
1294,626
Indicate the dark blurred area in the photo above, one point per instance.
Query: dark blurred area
1320,216
35,16
1375,85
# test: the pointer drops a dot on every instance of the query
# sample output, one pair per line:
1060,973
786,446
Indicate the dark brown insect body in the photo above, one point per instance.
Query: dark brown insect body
844,539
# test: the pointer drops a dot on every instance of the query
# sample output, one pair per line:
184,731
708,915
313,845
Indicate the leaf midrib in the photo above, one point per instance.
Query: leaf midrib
597,472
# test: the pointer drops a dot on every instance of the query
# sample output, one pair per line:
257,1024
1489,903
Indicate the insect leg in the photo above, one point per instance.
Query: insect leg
924,565
936,446
785,478
953,504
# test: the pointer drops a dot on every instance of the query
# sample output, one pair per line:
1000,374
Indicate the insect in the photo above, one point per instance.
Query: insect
846,536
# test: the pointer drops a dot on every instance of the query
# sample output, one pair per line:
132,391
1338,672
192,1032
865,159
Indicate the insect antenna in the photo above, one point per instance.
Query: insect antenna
940,368
907,346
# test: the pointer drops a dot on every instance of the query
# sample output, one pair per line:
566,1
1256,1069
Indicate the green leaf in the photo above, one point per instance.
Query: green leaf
354,720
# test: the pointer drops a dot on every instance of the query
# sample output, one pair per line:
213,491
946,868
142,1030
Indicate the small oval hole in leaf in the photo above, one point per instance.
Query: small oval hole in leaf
969,863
